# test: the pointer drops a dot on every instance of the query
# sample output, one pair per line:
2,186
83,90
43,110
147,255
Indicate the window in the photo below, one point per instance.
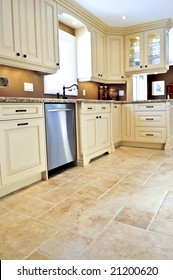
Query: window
67,74
139,87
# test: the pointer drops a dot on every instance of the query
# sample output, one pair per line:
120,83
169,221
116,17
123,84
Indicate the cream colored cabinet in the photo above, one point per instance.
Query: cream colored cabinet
22,145
147,51
116,123
94,134
91,54
50,35
23,24
150,122
115,59
128,129
98,40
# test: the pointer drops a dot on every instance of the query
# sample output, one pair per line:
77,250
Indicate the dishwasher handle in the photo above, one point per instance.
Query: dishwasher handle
60,110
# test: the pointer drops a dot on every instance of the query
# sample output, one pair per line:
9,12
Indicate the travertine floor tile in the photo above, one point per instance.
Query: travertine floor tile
135,217
120,206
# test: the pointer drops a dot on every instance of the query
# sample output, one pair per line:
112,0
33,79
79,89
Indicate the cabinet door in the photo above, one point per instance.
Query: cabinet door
116,123
155,48
115,58
98,41
21,149
128,122
134,52
50,34
90,123
103,131
9,29
30,12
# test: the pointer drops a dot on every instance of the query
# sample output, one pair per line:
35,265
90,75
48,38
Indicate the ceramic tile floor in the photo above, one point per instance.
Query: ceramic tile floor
120,206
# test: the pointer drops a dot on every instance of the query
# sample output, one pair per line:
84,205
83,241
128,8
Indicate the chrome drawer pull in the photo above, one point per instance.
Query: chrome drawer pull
149,134
89,108
20,124
21,110
149,106
149,119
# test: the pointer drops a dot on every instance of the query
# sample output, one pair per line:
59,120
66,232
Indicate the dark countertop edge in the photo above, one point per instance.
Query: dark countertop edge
55,100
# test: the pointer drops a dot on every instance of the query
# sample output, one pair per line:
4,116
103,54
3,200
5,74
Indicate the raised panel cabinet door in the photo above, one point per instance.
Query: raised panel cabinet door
22,149
50,34
90,123
128,122
103,129
9,29
31,31
115,57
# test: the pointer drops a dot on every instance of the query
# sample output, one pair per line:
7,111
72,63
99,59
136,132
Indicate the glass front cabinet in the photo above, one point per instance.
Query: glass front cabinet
147,50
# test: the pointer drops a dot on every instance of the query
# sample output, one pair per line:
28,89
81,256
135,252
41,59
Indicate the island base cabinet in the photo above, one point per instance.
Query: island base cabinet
22,149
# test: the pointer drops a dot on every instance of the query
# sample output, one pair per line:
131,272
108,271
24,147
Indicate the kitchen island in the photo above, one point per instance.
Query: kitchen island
101,126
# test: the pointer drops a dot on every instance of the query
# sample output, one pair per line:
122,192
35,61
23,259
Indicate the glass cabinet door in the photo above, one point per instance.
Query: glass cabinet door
154,48
134,44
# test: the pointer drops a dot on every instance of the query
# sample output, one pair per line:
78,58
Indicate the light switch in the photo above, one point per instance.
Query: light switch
28,87
121,93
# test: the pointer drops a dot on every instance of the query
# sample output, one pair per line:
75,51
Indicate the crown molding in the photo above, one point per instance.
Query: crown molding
89,20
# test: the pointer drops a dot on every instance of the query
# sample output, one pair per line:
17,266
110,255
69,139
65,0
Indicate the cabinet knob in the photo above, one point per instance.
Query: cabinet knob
140,66
25,56
18,54
97,117
145,66
99,75
57,64
122,77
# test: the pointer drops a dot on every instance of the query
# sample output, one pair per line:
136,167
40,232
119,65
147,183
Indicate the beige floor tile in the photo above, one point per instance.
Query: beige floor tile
20,235
162,226
65,245
92,191
135,217
27,205
3,211
120,241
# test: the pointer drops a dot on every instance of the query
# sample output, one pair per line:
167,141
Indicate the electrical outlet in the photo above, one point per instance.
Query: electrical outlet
84,92
28,87
4,82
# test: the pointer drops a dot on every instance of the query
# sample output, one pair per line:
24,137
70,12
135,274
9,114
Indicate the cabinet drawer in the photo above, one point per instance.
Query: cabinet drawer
150,135
150,106
150,119
87,107
20,111
104,107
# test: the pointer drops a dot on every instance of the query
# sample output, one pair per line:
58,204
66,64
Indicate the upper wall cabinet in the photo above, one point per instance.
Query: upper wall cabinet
22,26
91,55
115,59
147,51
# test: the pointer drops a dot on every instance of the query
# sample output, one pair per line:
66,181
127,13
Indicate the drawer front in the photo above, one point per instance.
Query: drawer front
150,135
153,119
150,106
20,111
104,108
89,108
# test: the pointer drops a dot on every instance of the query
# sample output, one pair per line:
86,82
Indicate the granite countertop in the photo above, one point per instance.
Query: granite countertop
55,100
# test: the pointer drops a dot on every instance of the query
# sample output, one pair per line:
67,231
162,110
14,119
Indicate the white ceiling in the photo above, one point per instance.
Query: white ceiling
137,12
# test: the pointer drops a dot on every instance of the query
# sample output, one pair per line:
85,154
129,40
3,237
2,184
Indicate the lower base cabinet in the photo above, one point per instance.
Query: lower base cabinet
94,137
22,149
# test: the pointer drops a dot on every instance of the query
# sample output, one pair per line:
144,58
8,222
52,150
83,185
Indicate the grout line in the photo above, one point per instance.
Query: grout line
152,174
157,210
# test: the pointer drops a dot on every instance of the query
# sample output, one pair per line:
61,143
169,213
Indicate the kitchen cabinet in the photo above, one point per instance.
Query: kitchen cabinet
116,123
91,55
23,22
93,131
128,131
147,51
22,145
150,122
115,59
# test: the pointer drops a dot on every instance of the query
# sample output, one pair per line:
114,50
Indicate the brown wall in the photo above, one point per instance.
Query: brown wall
167,77
17,77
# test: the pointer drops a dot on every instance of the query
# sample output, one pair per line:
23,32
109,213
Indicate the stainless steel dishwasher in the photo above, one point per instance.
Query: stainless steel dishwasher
60,134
